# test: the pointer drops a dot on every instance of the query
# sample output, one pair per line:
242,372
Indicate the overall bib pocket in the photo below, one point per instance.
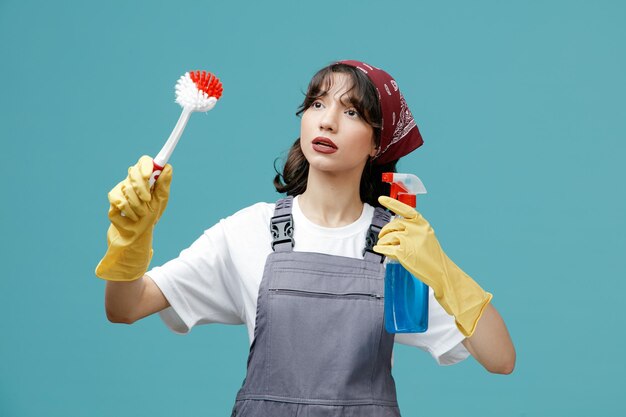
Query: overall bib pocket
324,340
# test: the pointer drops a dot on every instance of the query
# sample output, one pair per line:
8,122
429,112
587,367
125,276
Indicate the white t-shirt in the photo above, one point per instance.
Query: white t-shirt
217,279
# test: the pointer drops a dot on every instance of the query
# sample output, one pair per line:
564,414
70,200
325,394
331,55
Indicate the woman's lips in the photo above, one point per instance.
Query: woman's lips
324,145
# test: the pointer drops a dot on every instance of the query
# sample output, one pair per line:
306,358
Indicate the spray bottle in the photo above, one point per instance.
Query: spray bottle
406,298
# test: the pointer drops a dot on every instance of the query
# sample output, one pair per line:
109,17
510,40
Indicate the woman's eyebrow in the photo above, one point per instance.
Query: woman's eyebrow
319,94
347,100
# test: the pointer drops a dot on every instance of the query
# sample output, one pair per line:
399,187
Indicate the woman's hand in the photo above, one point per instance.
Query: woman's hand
134,210
412,242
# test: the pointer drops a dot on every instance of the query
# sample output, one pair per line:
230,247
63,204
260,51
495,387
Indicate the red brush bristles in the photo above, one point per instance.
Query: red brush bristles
207,82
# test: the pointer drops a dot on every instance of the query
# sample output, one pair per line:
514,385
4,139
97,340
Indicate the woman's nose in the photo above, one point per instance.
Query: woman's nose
328,121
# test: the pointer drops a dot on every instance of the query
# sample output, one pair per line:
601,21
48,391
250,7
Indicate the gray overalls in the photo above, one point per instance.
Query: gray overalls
320,347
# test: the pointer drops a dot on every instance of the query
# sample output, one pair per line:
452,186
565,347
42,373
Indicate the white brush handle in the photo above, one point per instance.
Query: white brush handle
166,151
163,156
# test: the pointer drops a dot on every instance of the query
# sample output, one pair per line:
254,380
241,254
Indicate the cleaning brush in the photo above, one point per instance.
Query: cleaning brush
196,91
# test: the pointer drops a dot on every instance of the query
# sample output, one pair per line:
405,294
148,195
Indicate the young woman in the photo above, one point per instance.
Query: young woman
305,274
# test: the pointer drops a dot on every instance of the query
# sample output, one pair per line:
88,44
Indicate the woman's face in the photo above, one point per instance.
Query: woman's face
333,136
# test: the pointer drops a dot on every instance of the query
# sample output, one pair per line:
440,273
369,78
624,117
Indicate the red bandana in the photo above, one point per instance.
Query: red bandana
399,133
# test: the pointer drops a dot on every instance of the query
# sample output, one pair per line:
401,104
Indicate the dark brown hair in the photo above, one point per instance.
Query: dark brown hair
364,97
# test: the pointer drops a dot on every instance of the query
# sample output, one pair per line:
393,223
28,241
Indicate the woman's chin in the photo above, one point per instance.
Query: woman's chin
330,166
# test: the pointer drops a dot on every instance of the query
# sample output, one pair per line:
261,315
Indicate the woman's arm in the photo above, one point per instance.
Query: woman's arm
127,302
491,344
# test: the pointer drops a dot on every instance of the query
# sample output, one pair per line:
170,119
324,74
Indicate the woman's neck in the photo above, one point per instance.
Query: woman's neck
331,199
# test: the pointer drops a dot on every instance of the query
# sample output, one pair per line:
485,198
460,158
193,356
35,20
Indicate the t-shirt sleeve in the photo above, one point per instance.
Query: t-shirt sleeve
442,339
200,284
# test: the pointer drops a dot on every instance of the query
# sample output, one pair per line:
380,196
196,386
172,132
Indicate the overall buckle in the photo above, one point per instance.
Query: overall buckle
282,230
371,238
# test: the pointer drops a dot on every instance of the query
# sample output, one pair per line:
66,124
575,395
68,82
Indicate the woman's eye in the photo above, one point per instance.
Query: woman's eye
352,113
316,105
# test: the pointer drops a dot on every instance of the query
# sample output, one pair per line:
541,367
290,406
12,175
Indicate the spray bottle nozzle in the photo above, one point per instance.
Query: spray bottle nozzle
404,187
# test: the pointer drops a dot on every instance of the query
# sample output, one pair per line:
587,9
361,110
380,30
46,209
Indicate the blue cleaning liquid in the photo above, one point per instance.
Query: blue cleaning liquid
406,300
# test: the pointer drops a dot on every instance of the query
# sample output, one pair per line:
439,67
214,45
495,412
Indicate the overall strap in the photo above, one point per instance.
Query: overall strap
379,220
281,226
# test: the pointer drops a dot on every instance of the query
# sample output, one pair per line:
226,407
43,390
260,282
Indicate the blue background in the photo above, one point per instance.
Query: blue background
522,108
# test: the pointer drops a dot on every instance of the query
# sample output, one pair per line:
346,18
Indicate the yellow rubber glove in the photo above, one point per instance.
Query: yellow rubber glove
412,242
129,237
